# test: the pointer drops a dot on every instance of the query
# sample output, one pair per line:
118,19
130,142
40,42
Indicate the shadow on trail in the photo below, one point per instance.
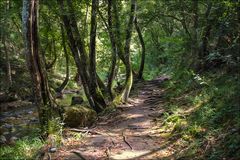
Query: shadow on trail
130,132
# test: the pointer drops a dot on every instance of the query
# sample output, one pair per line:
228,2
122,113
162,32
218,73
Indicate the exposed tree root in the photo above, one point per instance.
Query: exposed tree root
84,131
124,140
79,155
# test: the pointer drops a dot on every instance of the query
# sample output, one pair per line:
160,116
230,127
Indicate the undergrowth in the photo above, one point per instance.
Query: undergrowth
25,148
202,113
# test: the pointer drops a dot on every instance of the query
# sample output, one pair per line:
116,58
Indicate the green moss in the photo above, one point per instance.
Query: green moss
109,109
66,101
78,115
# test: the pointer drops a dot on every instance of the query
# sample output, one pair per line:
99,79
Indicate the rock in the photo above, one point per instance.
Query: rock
5,133
3,139
30,112
34,120
12,140
59,95
13,105
52,149
2,130
77,100
8,97
77,115
8,126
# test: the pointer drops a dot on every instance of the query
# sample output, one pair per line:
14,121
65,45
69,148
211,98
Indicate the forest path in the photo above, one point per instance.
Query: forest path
129,133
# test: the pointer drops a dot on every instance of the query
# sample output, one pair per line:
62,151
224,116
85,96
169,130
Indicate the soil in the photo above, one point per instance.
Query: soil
128,133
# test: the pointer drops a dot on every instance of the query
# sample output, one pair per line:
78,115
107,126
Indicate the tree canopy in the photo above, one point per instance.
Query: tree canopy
71,59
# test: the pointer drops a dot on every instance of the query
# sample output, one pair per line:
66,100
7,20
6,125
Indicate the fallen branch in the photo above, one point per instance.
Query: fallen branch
124,139
107,152
84,131
79,155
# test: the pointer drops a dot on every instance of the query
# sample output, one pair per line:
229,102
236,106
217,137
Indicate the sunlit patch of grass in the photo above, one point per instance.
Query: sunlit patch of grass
66,101
78,136
23,149
204,113
72,139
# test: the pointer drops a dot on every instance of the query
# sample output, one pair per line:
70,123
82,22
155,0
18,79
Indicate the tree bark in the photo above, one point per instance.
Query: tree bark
53,50
194,42
129,74
117,33
206,35
43,97
92,48
112,71
75,50
94,88
65,82
124,53
7,60
80,56
141,68
8,65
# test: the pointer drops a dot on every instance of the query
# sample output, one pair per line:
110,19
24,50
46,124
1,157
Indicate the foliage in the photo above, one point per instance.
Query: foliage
204,115
55,130
25,148
195,43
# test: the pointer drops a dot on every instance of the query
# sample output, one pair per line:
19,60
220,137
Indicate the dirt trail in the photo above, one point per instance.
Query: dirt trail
128,134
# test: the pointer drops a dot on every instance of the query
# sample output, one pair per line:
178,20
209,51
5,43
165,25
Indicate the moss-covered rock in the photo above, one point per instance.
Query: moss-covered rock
78,115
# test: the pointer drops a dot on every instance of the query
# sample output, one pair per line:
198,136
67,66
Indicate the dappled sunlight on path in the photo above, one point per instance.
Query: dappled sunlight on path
129,134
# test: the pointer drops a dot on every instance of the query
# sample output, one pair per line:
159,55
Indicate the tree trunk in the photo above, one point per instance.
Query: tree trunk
94,89
129,76
8,65
7,60
80,56
92,48
194,42
203,52
117,32
141,68
65,82
124,54
43,97
114,52
53,50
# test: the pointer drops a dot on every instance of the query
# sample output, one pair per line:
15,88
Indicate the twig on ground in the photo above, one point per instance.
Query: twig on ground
84,131
124,139
107,152
79,155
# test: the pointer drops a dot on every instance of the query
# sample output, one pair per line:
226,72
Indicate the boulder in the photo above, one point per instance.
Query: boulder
79,116
13,140
77,100
10,97
59,95
3,139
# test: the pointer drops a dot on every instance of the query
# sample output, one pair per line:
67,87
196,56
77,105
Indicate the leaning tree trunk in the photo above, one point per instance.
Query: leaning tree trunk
94,88
114,52
117,32
124,54
129,75
42,95
92,49
77,47
141,68
206,35
65,82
